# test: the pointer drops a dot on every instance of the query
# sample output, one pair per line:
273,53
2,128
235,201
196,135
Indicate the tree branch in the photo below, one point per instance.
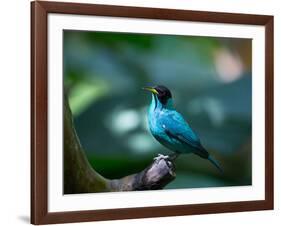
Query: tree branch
80,177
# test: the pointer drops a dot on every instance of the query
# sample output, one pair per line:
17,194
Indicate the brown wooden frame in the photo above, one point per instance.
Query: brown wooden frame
39,115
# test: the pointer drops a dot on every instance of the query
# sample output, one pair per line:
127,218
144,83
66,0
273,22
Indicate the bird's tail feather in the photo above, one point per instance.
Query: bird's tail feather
215,163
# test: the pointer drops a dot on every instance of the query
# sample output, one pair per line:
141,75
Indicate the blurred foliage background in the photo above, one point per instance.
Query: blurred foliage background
211,82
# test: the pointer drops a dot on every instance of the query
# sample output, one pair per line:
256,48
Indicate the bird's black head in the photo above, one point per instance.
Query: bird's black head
162,92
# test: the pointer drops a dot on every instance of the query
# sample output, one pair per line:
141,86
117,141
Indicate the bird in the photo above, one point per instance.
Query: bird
170,129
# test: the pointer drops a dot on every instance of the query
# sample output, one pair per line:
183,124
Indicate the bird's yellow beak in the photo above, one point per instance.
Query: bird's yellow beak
150,89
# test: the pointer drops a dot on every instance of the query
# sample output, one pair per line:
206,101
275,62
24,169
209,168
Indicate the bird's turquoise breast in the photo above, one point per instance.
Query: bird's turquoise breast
157,129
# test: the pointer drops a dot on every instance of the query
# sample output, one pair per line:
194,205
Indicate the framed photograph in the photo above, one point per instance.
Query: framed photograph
147,112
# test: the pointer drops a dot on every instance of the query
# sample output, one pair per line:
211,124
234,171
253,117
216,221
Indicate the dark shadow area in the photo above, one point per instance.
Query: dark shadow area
25,219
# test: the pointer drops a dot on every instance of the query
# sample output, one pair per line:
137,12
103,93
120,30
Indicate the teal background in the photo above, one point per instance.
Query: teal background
211,82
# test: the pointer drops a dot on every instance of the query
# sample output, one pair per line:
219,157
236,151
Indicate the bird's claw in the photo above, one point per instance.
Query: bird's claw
160,157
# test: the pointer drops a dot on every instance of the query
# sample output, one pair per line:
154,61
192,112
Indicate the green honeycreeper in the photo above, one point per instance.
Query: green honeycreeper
170,129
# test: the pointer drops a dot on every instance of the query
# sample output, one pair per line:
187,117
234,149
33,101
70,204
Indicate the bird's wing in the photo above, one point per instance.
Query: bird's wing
176,127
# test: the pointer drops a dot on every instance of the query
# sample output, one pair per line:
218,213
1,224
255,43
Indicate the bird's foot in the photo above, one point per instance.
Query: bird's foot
160,157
